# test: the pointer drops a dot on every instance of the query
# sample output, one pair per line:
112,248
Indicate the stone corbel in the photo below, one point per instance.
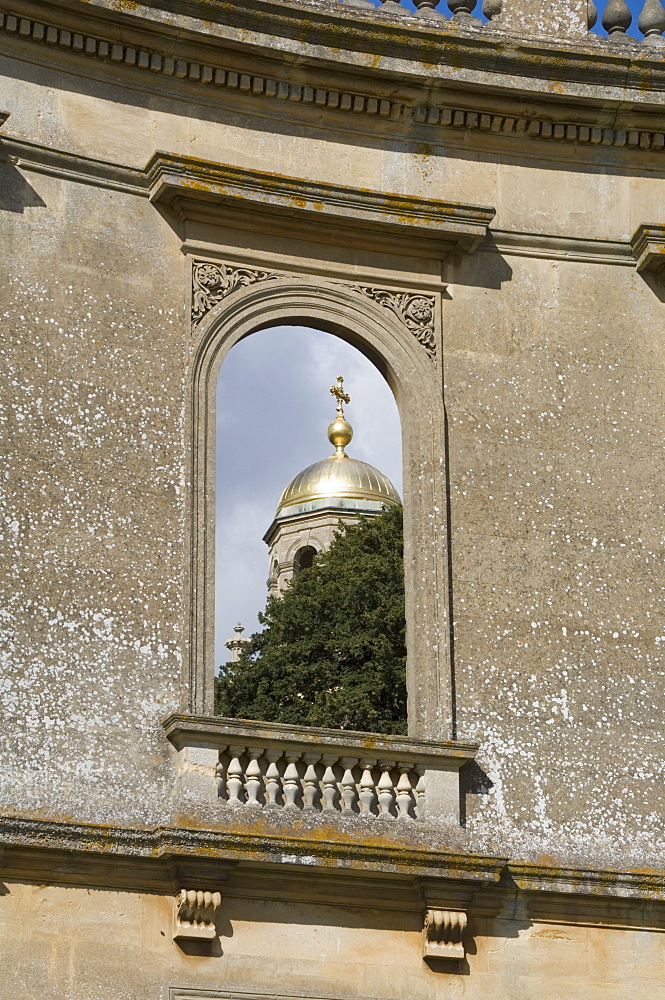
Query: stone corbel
195,915
648,244
443,933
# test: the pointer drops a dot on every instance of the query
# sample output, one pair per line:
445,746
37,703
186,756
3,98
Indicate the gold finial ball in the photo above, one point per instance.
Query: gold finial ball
340,433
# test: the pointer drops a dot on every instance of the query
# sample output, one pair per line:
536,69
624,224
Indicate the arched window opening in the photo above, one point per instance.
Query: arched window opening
274,414
304,559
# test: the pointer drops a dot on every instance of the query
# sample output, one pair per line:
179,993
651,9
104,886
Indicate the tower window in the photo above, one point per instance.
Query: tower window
304,558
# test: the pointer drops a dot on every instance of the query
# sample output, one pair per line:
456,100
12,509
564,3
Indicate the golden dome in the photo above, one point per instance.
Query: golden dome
338,481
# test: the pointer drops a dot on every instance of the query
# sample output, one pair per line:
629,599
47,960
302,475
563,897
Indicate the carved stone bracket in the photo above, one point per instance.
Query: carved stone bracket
413,309
195,915
648,245
213,282
443,933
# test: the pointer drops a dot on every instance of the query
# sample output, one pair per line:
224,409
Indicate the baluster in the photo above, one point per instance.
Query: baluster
310,782
253,777
462,12
386,789
349,792
492,9
651,22
404,792
426,8
591,14
366,794
420,791
272,778
329,784
235,776
291,781
220,775
392,7
616,20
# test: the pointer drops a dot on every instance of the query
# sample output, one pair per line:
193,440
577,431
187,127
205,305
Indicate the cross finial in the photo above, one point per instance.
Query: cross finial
339,394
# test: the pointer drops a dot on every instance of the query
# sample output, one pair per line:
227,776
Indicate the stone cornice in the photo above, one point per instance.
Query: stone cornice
437,47
160,859
213,731
643,250
240,846
605,95
180,184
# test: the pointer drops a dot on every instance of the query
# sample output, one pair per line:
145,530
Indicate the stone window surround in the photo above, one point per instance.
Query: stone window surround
397,326
416,384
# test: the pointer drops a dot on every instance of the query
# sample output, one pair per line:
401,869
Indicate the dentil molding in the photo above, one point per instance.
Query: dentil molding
136,57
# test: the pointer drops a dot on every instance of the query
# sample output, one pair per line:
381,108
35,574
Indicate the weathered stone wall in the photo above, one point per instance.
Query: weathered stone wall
94,355
552,373
552,393
79,938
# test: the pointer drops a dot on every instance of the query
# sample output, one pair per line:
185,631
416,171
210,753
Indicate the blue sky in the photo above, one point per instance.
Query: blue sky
273,411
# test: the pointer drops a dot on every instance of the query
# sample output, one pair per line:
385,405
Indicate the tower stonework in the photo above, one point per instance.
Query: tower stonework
338,490
477,206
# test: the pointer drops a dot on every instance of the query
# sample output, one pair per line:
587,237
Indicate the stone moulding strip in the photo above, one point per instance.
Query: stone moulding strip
644,250
134,57
69,166
568,248
174,179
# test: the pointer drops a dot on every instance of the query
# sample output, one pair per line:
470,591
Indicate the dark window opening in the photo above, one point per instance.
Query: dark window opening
304,558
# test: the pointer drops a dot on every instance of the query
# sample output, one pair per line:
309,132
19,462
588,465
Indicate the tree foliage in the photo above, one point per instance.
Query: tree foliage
332,652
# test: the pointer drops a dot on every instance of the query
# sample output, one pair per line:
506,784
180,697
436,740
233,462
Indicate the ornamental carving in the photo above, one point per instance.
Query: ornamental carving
414,310
213,282
443,933
195,915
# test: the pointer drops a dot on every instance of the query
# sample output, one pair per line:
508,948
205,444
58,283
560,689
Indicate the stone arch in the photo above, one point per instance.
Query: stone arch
303,557
312,541
416,384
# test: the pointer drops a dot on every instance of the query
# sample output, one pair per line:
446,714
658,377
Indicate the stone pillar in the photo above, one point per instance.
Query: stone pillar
556,18
236,644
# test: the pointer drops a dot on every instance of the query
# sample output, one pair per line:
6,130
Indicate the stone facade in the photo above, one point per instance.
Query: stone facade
476,208
291,537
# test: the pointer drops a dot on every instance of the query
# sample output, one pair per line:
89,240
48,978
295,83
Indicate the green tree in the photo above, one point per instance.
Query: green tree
332,652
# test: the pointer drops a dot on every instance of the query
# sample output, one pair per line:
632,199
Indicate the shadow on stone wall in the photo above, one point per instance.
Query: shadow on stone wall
15,193
473,781
655,281
486,268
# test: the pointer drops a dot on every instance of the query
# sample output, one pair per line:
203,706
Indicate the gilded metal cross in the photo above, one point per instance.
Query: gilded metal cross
340,395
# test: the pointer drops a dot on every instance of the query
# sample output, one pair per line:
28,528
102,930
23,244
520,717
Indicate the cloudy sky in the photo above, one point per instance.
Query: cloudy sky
273,411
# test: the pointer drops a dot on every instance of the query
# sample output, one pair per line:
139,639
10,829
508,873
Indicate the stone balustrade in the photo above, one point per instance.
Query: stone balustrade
307,770
616,20
565,19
